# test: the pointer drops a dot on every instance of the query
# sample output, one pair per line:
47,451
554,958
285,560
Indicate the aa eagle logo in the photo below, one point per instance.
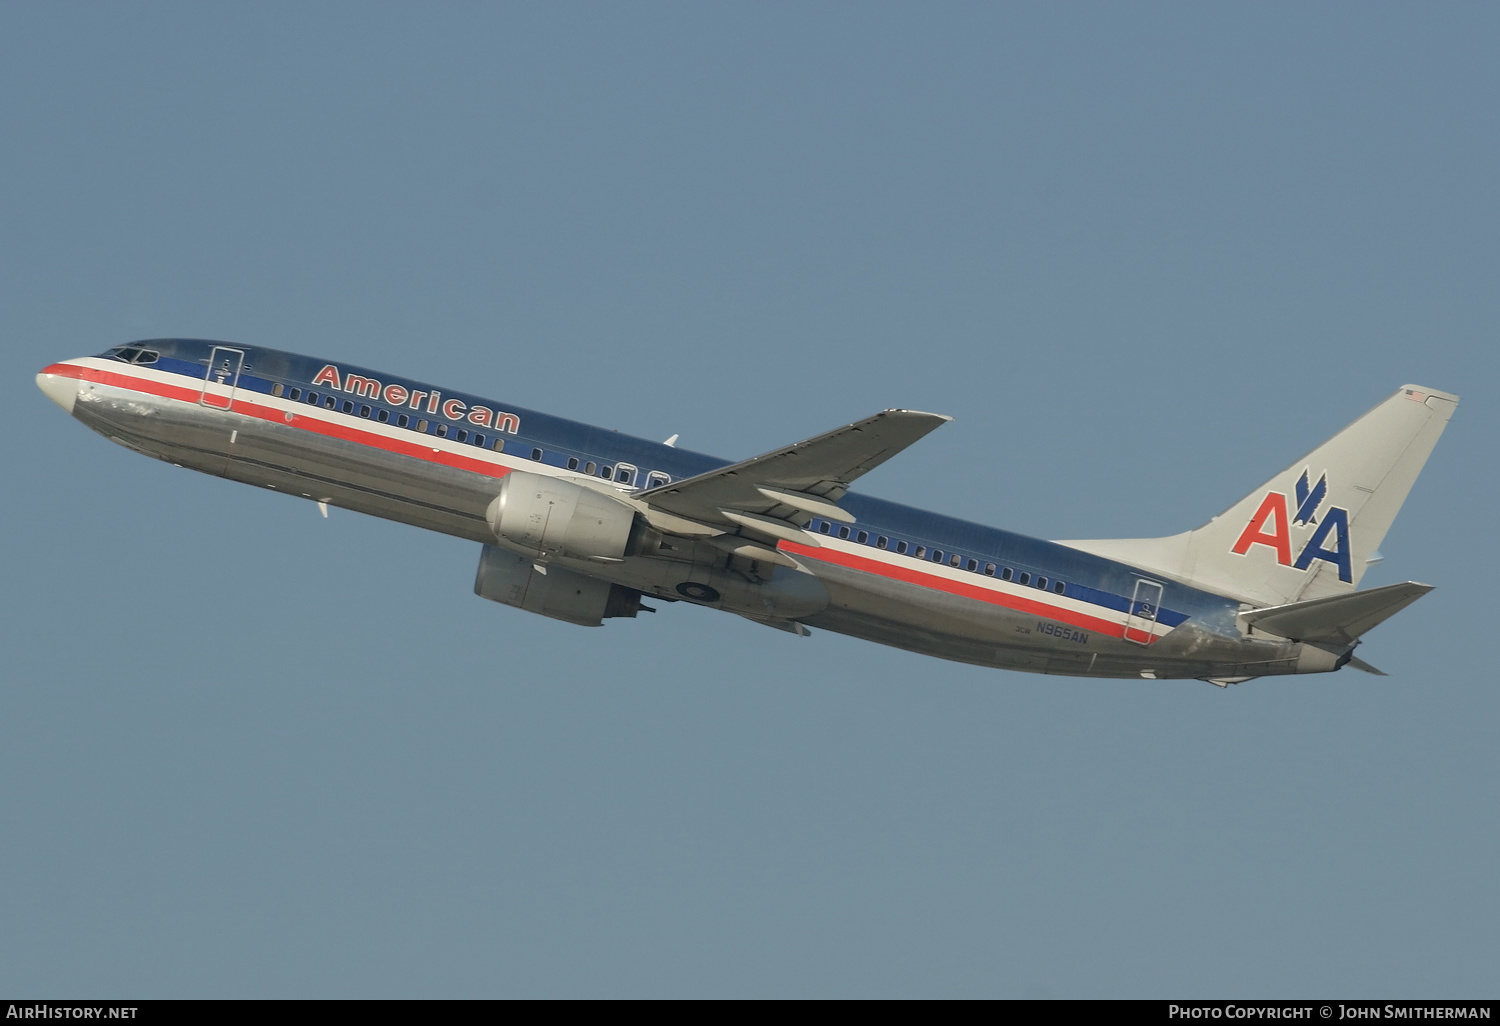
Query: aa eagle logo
1272,526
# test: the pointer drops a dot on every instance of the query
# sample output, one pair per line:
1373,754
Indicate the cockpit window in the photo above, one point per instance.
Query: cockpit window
134,354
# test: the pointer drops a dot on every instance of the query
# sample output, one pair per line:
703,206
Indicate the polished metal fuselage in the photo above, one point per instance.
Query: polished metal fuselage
453,501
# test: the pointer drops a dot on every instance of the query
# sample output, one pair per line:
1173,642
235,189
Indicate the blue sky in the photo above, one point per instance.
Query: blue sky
1145,255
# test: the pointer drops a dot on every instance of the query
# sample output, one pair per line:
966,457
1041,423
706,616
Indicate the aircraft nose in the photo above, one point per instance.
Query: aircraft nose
60,389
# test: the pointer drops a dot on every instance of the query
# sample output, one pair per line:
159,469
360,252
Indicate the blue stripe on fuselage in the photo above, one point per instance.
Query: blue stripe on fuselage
1087,577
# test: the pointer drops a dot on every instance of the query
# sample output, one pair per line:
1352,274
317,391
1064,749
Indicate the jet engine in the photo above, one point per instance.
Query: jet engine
514,580
542,516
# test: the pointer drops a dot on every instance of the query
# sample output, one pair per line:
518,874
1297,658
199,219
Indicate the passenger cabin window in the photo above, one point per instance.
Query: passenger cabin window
348,407
295,394
277,389
657,479
312,398
422,426
937,555
863,538
881,542
463,436
1058,587
843,532
364,411
479,440
625,473
572,462
989,569
825,527
972,566
1005,574
901,548
1041,582
402,420
329,402
536,454
499,445
1025,578
442,430
384,416
921,551
955,559
589,468
606,472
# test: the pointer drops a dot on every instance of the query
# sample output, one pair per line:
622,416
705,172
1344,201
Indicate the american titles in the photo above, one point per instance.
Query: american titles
416,399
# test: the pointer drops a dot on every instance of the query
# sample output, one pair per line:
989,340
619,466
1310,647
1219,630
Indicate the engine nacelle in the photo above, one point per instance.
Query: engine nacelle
547,517
512,579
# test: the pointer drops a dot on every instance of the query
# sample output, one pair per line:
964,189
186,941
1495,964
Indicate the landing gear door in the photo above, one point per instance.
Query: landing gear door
223,377
1145,606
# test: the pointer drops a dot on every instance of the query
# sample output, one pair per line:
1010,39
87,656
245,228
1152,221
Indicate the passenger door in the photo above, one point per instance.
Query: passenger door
223,369
1145,606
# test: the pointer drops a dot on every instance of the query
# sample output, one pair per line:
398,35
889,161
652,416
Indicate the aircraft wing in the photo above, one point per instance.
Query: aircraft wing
771,493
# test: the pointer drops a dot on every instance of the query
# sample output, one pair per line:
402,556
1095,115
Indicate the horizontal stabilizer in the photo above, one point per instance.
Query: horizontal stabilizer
1337,620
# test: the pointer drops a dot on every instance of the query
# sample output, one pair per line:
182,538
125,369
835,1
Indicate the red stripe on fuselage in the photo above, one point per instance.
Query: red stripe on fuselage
432,455
299,420
972,591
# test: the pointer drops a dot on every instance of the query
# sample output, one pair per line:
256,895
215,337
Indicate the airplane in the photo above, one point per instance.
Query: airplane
583,524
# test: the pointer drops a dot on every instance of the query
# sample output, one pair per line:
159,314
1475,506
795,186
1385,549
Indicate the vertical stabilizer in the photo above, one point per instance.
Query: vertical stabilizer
1311,530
